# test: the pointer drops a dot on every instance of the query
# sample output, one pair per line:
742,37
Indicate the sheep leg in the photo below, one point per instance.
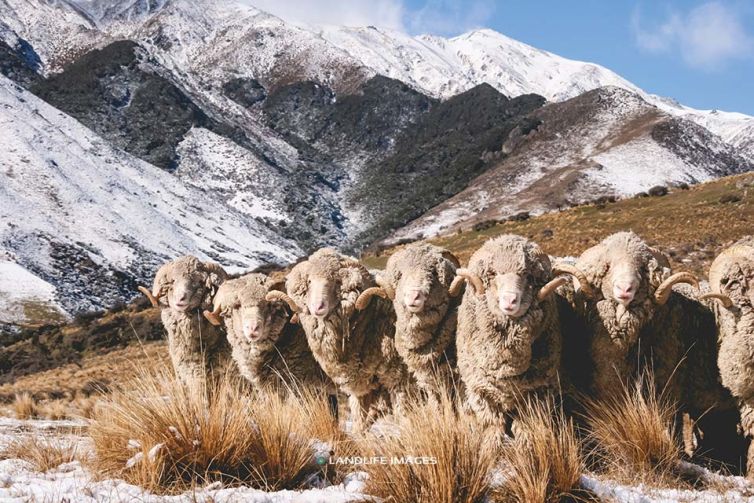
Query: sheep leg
487,413
747,425
189,364
359,406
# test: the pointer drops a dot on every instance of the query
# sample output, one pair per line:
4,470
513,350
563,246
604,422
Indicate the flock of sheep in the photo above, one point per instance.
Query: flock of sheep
514,324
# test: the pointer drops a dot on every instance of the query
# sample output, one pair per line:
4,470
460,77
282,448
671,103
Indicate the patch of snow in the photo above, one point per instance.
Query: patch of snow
20,289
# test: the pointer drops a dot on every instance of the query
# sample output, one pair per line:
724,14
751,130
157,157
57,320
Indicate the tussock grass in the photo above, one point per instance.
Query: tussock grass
544,462
155,434
464,459
42,454
24,406
633,434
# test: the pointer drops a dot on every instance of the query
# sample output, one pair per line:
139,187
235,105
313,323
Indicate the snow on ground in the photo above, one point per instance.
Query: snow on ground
210,161
19,482
21,291
71,482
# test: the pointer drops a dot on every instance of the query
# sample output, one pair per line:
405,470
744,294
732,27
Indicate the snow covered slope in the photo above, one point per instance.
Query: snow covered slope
604,142
211,40
93,221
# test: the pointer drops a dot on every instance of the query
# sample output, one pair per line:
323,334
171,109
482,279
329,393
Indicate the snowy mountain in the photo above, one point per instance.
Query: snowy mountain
295,137
606,142
85,217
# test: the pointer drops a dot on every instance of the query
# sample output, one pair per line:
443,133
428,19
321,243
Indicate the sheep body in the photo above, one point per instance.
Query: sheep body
731,275
673,334
356,349
503,359
280,357
197,348
425,338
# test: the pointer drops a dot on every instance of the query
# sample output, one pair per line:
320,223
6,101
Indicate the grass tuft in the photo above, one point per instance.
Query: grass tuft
155,434
633,434
544,462
460,461
43,455
25,407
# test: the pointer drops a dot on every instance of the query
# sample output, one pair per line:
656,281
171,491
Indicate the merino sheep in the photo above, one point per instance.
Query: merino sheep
269,350
508,338
184,288
634,315
731,280
355,348
622,283
418,280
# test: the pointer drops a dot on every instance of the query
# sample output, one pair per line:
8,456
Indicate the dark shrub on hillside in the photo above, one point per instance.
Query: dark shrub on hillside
641,195
730,198
658,191
484,225
682,186
520,217
547,233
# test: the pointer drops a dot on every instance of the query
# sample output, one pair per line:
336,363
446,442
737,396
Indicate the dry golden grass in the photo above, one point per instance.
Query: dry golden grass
685,223
154,434
463,458
72,381
633,434
24,406
42,454
544,462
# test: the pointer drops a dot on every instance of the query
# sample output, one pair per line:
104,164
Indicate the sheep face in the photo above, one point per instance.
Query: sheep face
321,282
187,283
243,305
419,277
512,270
630,280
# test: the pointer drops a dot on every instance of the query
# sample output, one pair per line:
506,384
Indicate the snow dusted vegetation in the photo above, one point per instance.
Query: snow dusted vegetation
68,194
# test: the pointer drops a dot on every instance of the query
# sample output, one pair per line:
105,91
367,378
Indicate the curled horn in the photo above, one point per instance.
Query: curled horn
662,294
455,286
212,267
277,296
152,299
386,286
724,299
576,273
213,316
718,265
472,278
550,287
363,300
448,255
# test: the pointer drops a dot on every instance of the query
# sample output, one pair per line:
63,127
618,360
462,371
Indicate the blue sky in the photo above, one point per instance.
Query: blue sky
698,52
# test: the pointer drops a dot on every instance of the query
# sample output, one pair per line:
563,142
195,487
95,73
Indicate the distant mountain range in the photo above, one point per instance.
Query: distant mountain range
140,130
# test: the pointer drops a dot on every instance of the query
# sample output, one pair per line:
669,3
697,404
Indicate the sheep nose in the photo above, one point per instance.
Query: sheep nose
320,308
509,302
623,293
415,298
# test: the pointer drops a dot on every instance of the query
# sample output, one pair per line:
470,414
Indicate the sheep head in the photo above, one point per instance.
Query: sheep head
186,283
252,306
731,275
511,274
627,271
416,278
628,280
325,281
